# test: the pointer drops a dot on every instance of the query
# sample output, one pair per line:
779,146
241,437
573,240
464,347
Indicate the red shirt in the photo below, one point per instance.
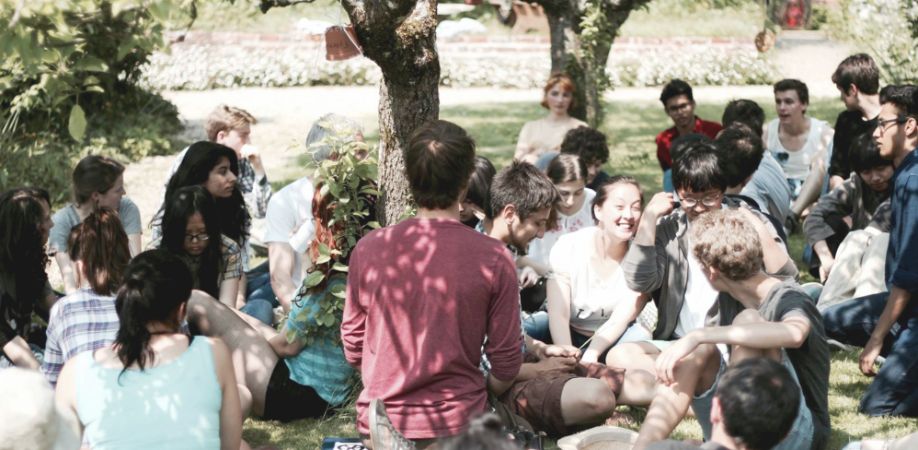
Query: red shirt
666,137
421,297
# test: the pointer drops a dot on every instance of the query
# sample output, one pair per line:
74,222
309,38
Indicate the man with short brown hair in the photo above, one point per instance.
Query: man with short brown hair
423,294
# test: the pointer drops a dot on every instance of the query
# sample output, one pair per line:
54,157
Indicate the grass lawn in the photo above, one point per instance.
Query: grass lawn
631,129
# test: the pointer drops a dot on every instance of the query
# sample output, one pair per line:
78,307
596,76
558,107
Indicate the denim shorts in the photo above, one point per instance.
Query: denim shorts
801,433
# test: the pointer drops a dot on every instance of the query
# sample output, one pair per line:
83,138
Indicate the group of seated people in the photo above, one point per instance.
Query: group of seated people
688,301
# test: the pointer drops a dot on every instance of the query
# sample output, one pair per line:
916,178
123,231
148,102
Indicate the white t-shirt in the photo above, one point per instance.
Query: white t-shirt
289,219
593,297
699,297
796,164
540,249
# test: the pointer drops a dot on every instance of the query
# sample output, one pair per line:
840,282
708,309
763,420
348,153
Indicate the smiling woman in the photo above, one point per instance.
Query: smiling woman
546,134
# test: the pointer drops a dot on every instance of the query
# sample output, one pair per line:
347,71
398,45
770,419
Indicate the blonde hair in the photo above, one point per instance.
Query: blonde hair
725,240
226,118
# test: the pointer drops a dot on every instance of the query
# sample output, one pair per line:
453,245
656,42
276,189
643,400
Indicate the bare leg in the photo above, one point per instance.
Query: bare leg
633,355
638,388
586,401
694,373
253,358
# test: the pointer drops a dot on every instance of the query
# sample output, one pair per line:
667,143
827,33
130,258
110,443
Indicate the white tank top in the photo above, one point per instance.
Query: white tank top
796,164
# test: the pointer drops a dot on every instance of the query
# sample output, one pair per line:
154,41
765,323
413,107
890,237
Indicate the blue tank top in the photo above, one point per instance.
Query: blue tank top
174,405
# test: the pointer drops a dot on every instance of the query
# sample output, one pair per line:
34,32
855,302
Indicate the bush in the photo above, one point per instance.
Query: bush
199,67
68,73
887,29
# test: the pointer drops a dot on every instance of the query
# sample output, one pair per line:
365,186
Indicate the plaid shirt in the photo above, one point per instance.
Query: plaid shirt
79,322
256,192
231,262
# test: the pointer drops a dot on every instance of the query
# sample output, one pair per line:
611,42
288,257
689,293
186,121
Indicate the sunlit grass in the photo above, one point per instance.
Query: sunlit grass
631,129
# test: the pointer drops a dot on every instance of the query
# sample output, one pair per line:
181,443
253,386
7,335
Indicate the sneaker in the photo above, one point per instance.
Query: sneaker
383,435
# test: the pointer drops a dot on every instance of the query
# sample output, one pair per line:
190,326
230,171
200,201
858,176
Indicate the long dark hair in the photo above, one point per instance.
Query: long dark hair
22,250
156,284
199,160
180,206
101,244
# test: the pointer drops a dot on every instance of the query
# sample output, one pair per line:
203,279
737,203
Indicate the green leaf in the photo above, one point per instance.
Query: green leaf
89,63
313,279
322,259
77,123
339,267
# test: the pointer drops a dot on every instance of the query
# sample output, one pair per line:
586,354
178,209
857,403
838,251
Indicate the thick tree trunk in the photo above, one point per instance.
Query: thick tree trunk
400,36
568,52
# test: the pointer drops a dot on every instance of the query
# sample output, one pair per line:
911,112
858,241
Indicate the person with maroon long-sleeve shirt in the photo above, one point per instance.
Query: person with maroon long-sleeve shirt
423,294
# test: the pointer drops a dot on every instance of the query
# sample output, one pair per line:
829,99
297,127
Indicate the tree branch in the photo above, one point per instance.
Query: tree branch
268,4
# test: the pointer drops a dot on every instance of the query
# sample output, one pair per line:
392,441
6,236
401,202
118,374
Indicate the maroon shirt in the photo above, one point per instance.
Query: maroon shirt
421,297
665,139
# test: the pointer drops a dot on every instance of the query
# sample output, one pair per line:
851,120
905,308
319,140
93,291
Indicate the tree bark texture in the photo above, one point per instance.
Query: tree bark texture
569,53
400,37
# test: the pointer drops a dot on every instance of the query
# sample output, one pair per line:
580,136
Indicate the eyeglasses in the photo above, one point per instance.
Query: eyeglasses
200,237
883,125
708,202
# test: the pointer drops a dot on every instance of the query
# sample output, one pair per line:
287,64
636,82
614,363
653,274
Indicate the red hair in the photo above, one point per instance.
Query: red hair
563,80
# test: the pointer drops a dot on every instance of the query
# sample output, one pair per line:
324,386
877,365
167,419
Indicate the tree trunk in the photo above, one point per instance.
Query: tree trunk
584,61
400,36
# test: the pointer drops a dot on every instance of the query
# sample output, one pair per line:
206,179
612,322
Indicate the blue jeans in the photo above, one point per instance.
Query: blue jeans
800,435
894,391
535,325
260,300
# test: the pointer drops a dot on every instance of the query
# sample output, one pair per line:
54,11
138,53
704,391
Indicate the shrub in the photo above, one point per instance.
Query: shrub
199,67
68,72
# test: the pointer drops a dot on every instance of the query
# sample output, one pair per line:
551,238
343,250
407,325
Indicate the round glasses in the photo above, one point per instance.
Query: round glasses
200,237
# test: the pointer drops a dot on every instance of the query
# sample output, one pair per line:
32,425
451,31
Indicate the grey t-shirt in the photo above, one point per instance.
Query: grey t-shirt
811,360
768,187
67,218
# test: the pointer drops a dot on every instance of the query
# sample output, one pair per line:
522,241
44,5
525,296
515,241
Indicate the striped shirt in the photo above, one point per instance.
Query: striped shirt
79,322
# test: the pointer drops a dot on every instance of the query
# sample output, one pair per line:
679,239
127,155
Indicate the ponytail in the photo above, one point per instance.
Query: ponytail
156,284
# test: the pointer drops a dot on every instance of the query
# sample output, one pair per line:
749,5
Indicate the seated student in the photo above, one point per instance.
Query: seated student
850,206
431,276
477,201
231,126
191,231
741,152
25,220
98,182
29,416
86,319
588,144
768,185
573,211
289,226
799,143
762,317
300,371
657,261
154,387
887,323
545,135
214,167
591,146
587,295
679,104
552,391
754,407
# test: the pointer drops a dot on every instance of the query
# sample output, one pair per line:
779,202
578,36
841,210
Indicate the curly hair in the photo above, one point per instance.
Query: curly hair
725,240
22,250
588,143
